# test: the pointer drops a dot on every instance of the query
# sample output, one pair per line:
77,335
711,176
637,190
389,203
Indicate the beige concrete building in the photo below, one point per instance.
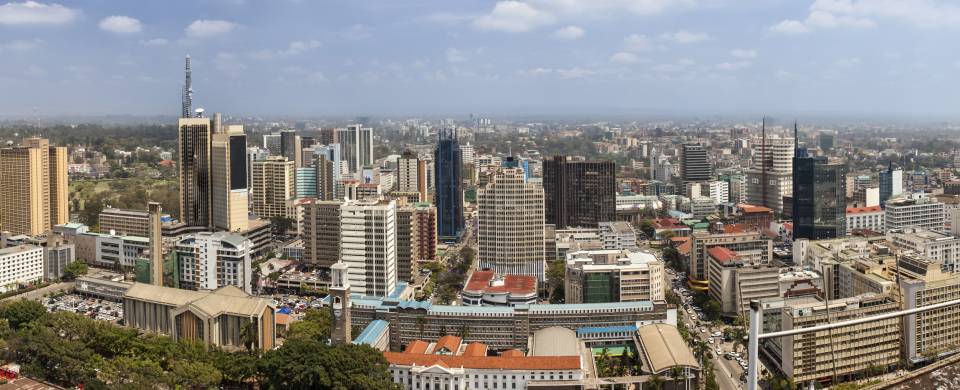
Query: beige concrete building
511,225
33,187
125,222
273,187
321,233
412,175
597,276
734,281
934,333
842,353
214,318
228,187
751,246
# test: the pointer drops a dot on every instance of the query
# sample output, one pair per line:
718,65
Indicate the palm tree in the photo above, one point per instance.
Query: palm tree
676,373
656,382
248,335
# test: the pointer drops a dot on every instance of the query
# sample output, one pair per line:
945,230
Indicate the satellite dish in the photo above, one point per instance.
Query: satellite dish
199,112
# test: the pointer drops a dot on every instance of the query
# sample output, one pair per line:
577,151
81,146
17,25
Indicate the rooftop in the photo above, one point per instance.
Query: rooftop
372,332
554,341
859,210
722,254
664,348
485,362
485,281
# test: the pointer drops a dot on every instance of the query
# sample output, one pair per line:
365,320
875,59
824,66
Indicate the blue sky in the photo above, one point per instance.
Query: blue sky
320,57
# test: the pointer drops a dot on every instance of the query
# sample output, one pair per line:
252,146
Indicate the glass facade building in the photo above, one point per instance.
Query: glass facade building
449,185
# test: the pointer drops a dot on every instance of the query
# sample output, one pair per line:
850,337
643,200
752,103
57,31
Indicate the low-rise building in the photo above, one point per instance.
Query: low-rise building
618,235
933,245
20,265
865,218
613,276
110,251
914,210
485,288
735,281
208,261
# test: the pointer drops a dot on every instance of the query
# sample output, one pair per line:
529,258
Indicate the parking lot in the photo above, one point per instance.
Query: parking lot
98,309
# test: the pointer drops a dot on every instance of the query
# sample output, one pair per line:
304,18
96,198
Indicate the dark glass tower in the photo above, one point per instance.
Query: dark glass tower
819,197
694,163
447,162
579,193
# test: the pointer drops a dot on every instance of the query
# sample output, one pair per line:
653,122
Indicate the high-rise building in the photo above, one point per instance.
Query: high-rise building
448,196
253,154
368,246
511,225
186,100
321,233
819,198
891,183
694,163
914,210
272,142
229,191
290,146
406,267
356,148
825,140
328,136
770,178
33,187
750,246
194,140
273,187
208,261
424,233
579,193
412,175
306,182
326,178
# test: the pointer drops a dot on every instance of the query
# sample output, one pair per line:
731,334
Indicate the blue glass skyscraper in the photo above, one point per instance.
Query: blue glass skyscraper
448,198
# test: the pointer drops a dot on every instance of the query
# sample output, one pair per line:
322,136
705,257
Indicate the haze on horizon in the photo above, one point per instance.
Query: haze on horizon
561,57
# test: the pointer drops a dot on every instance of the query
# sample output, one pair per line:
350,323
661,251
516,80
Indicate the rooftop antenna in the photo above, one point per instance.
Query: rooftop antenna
187,93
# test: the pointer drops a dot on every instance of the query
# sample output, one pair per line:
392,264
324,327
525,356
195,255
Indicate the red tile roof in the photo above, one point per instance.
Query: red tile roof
722,254
858,210
512,353
486,362
735,228
475,349
747,208
684,249
449,342
417,346
513,284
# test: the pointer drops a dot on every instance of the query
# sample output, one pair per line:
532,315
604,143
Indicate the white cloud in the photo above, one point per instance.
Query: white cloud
120,24
637,42
575,73
685,37
744,53
569,32
204,28
154,42
294,48
20,45
513,16
789,27
536,72
454,55
679,65
822,19
863,13
31,12
624,58
735,65
848,62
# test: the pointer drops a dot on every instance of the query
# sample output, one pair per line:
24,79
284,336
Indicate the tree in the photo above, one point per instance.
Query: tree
22,312
656,382
311,364
193,374
74,269
711,309
556,272
280,225
316,325
248,336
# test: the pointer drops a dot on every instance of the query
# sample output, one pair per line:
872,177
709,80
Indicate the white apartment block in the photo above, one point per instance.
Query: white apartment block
865,218
368,245
914,210
208,261
720,191
20,265
618,235
932,245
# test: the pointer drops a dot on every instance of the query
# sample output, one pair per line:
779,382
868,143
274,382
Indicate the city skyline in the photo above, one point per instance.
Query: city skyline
500,58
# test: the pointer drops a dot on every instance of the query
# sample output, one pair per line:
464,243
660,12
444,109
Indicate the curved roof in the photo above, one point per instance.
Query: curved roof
663,348
555,341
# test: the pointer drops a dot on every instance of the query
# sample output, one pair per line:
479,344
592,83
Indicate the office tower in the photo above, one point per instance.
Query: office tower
229,192
819,197
328,136
332,153
290,146
194,139
915,210
405,265
253,154
891,183
33,187
325,179
468,153
412,175
321,233
511,225
272,142
424,233
600,276
217,122
752,246
694,163
448,196
155,234
186,100
368,246
825,140
273,187
356,147
306,182
770,178
208,261
579,193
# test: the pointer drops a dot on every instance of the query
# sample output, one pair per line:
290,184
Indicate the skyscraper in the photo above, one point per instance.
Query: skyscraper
326,178
694,164
579,193
511,225
770,178
368,245
186,100
273,187
321,233
412,175
891,183
819,197
356,147
33,187
290,146
229,192
194,139
271,142
448,196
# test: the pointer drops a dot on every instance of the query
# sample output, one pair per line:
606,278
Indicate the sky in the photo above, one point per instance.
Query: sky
489,58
